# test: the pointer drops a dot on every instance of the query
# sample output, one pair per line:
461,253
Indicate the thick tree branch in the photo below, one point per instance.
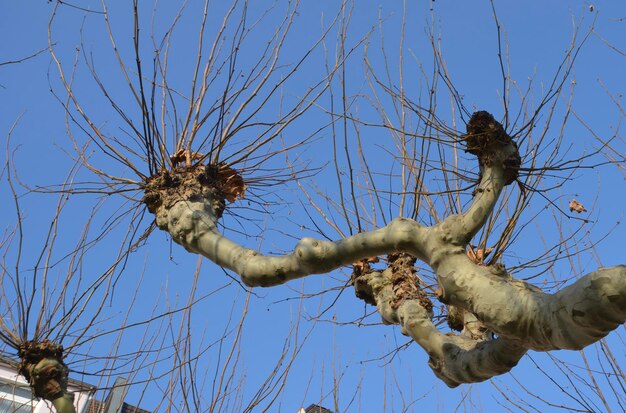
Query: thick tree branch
485,199
193,224
573,318
188,202
455,359
43,367
499,161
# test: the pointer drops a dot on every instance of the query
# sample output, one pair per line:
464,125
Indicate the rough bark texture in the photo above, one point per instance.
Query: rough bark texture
189,201
43,367
573,318
454,358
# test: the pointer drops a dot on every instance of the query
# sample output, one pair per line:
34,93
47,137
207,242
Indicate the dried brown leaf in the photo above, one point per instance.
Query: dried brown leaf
184,156
232,183
478,255
574,205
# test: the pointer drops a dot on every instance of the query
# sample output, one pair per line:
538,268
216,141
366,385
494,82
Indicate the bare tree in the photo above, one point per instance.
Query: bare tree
75,313
500,317
47,300
60,318
421,223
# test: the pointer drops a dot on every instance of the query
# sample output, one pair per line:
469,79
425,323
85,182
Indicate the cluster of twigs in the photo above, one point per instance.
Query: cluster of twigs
223,128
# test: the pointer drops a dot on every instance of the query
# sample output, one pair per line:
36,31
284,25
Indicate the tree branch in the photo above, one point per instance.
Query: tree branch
455,359
499,161
188,202
193,224
573,318
43,367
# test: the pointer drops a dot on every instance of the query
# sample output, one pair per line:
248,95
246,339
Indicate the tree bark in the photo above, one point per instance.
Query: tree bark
454,358
43,367
521,315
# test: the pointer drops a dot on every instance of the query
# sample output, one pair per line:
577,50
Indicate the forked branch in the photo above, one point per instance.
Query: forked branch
188,202
454,358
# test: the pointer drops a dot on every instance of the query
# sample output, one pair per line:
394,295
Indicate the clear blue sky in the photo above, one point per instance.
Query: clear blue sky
537,35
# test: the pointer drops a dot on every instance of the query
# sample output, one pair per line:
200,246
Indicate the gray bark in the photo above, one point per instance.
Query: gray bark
43,367
521,315
454,358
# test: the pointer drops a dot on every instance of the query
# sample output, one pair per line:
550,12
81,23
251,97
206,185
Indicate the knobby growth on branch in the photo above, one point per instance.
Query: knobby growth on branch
212,148
500,317
43,367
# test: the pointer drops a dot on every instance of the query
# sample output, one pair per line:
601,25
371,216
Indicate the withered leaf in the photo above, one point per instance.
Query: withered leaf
574,205
231,183
185,156
478,255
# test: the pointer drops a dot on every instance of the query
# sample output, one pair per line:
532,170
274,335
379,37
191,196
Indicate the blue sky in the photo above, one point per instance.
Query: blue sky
537,35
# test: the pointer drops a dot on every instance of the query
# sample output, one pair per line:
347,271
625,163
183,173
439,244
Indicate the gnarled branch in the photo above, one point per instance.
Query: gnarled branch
188,202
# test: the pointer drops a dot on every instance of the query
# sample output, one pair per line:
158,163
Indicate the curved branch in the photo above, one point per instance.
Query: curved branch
499,161
188,203
486,196
193,224
455,359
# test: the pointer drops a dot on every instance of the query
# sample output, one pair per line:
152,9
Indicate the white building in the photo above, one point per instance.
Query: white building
17,397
